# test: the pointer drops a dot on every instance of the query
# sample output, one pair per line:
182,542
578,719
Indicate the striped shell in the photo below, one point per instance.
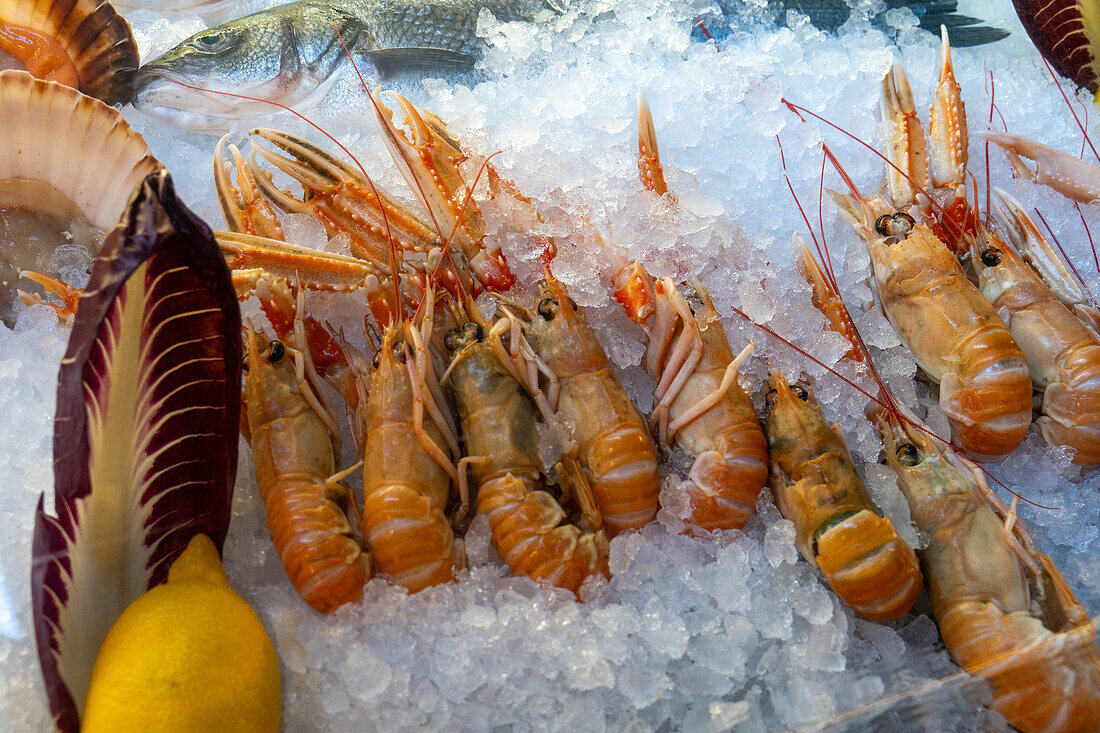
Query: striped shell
96,39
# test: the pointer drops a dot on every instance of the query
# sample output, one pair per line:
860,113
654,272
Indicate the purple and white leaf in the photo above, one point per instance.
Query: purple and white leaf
145,434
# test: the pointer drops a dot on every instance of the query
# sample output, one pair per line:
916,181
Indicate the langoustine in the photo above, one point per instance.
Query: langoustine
1004,611
295,466
837,526
611,451
1063,354
529,526
954,334
699,404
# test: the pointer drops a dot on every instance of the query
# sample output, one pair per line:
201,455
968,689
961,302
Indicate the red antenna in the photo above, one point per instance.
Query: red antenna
885,406
1080,126
797,109
323,131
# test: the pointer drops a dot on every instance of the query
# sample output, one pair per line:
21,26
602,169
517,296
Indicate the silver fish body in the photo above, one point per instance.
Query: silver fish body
290,54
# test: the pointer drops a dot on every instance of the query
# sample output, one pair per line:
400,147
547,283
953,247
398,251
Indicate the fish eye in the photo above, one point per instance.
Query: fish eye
992,256
399,351
908,455
278,351
896,225
801,392
771,397
548,308
210,40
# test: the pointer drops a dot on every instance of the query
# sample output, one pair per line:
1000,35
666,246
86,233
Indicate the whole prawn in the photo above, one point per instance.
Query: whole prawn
699,404
407,468
528,526
1063,355
836,526
292,451
1004,610
953,332
615,458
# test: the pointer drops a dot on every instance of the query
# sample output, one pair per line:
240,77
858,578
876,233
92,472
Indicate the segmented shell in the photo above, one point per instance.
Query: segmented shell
95,37
77,144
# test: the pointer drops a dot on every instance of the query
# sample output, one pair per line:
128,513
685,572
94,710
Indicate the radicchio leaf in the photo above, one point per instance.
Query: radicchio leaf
145,435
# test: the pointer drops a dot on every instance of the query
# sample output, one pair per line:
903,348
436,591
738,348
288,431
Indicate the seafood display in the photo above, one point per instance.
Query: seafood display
521,441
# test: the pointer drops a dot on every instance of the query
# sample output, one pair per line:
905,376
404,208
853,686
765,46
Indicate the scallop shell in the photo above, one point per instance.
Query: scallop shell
96,38
77,144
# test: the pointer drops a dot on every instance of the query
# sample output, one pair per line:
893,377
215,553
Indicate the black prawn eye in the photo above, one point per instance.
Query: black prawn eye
908,455
771,397
548,308
463,336
992,256
801,392
399,351
376,359
210,40
450,339
278,351
896,225
695,304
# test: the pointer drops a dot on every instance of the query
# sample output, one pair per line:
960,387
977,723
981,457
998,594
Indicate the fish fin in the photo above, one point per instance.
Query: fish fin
964,30
391,61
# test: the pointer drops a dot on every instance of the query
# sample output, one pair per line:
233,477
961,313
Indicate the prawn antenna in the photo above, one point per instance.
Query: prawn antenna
398,304
323,131
798,109
887,403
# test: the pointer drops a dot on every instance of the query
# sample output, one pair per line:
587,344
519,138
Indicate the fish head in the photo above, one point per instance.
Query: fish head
259,57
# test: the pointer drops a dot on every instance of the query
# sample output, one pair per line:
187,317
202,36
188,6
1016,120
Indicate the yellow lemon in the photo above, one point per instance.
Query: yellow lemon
189,655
